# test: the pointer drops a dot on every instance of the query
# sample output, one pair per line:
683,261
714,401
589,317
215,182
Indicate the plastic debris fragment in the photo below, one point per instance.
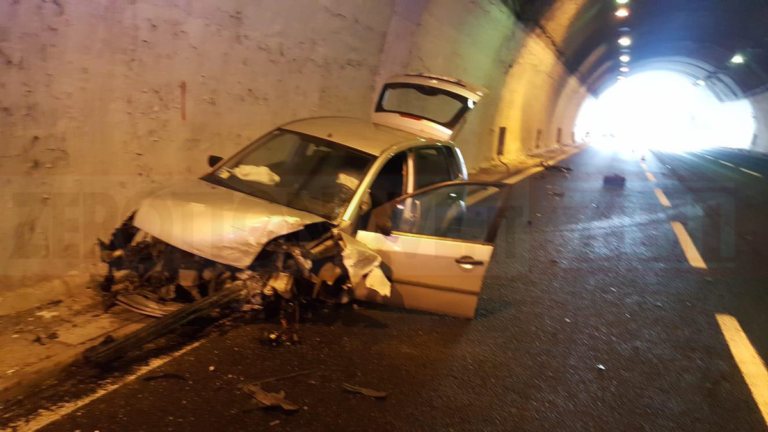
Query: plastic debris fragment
364,391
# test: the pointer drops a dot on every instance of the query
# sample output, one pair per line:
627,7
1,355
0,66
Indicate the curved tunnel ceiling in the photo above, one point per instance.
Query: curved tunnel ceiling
697,38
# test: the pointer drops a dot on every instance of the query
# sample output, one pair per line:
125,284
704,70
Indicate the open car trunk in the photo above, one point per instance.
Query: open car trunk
427,105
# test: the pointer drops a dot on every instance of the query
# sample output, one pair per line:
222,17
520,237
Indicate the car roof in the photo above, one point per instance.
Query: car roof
356,133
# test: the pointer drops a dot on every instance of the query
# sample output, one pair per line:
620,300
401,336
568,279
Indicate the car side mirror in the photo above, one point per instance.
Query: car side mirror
214,160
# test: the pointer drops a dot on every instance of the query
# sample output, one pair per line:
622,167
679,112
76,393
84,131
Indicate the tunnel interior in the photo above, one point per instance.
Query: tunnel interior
702,62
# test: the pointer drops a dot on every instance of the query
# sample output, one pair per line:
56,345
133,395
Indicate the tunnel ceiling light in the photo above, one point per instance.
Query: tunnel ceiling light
701,82
622,12
738,59
625,58
622,1
624,69
625,41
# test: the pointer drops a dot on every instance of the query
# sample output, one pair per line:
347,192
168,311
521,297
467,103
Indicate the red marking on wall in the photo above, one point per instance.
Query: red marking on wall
183,87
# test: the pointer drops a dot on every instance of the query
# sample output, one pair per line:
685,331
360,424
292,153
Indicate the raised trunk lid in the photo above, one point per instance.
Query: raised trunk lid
427,105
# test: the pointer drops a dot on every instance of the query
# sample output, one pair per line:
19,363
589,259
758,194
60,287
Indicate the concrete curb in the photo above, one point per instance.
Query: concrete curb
521,173
33,377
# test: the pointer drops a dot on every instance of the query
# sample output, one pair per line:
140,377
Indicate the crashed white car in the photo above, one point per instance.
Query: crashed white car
328,207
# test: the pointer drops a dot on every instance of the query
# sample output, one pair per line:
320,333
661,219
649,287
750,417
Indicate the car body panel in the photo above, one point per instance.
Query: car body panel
216,223
359,134
438,274
425,275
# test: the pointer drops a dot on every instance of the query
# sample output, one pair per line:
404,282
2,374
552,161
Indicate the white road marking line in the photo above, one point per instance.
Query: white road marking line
650,177
751,365
726,163
689,249
708,157
662,198
45,417
751,172
645,167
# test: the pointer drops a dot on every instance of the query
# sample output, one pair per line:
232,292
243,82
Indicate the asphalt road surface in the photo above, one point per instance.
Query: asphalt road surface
599,314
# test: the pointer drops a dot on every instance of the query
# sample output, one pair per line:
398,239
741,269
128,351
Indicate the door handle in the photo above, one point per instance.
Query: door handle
468,261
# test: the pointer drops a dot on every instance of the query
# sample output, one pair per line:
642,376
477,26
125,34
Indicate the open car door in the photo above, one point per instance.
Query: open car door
428,105
436,244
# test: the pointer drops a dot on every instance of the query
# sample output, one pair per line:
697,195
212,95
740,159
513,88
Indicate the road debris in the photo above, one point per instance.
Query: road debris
614,180
290,375
269,400
556,168
364,391
274,423
601,367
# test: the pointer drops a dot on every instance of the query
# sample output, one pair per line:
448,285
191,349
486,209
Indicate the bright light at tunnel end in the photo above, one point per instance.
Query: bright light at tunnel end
662,110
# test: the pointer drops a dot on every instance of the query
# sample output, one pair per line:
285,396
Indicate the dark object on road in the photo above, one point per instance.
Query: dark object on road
270,400
556,168
170,376
614,180
364,391
104,353
290,375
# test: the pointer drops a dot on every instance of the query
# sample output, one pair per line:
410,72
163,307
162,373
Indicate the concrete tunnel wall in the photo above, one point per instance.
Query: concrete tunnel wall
101,101
760,105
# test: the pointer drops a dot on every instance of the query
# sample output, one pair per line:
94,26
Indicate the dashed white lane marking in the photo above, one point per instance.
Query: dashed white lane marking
689,249
726,163
708,157
645,167
751,172
45,417
662,198
751,365
650,177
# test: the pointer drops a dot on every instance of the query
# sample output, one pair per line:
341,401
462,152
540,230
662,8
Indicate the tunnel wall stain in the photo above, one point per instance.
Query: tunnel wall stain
102,102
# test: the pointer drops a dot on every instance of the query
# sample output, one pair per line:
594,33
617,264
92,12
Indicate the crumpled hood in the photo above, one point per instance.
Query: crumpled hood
217,223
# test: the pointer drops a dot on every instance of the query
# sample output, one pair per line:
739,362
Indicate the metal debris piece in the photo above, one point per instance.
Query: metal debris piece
269,400
282,283
601,367
614,180
290,375
276,422
170,376
110,350
138,302
363,266
364,391
556,168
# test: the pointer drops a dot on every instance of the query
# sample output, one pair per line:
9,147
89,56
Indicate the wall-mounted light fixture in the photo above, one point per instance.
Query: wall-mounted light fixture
625,58
625,41
622,12
624,69
738,59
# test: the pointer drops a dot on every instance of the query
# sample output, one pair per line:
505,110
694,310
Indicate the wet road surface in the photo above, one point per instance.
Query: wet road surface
593,317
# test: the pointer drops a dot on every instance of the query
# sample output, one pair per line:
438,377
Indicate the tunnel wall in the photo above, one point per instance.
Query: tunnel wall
760,106
103,101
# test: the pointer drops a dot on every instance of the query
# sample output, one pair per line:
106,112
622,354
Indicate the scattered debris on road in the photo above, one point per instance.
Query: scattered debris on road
364,391
601,367
614,180
556,168
269,400
290,375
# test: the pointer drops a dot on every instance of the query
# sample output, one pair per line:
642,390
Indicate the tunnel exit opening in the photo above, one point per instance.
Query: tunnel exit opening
665,111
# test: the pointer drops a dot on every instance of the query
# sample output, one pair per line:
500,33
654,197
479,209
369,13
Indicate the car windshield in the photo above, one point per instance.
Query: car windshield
296,170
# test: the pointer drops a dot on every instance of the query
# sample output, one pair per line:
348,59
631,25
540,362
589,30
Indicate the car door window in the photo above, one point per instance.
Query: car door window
390,182
461,211
432,166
